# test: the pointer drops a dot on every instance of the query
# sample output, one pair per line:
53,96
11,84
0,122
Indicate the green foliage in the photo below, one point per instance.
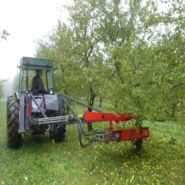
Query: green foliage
3,34
129,52
16,83
1,87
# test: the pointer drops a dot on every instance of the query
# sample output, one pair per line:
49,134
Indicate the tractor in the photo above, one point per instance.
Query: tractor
25,108
37,112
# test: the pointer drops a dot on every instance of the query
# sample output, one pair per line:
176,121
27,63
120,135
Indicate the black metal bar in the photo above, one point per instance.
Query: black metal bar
81,103
74,113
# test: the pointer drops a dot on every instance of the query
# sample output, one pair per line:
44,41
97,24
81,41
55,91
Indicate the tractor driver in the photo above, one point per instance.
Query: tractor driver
37,83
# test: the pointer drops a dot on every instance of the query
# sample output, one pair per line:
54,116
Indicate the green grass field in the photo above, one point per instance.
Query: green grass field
39,161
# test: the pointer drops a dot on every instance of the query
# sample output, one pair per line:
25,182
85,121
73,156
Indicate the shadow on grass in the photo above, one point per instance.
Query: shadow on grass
29,141
37,144
35,140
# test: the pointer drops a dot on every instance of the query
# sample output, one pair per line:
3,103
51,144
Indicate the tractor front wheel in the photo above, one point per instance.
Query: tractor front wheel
13,137
58,134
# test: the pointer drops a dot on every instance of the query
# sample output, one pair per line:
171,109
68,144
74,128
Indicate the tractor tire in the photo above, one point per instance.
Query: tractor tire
138,144
14,139
58,134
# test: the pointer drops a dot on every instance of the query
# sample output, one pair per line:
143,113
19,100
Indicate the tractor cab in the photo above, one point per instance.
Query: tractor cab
28,67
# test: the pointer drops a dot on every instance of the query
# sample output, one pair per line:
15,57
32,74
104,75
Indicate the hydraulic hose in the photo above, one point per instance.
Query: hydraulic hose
81,132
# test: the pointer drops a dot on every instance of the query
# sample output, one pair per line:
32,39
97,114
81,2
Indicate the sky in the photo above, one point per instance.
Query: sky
26,21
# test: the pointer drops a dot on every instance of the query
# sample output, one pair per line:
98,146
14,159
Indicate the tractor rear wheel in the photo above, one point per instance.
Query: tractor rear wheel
13,137
58,134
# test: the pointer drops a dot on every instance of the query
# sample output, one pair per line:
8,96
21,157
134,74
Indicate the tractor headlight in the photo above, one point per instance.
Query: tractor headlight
50,91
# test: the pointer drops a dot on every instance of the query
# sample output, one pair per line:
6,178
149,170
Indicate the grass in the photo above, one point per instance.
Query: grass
39,161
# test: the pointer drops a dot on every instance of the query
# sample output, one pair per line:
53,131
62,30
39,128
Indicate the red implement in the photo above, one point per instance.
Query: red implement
121,134
106,116
131,133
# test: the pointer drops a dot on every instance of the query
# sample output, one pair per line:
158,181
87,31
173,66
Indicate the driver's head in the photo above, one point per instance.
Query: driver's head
39,72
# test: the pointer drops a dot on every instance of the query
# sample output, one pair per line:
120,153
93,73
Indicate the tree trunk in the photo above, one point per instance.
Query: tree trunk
91,103
116,104
173,110
100,102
